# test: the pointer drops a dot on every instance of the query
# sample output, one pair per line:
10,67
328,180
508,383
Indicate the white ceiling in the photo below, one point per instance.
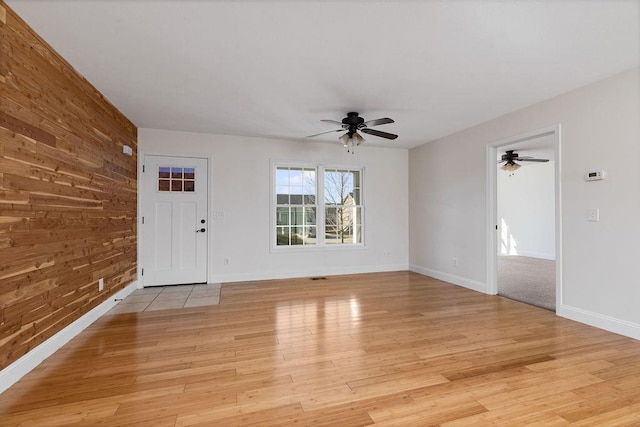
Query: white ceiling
275,68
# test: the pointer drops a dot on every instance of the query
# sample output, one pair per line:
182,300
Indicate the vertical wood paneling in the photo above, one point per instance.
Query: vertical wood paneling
67,193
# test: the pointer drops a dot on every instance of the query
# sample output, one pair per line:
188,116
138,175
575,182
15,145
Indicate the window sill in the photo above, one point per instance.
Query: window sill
325,248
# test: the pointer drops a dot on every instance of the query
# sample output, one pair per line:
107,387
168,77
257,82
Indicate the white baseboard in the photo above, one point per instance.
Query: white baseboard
608,323
12,373
474,285
611,324
243,277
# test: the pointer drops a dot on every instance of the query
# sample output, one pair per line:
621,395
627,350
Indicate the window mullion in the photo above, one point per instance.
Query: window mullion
320,206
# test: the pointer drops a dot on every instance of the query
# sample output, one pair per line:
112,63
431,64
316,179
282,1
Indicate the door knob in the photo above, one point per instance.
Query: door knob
202,230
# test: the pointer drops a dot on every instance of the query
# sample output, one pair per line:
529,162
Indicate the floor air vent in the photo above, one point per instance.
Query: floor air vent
318,278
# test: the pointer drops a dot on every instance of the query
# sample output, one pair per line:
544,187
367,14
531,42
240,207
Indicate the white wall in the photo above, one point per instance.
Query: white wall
526,211
240,170
600,129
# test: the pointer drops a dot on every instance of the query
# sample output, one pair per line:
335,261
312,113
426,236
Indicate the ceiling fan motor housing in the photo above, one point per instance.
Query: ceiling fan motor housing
510,155
353,122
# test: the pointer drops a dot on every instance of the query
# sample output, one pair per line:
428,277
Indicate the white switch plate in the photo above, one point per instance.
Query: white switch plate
593,214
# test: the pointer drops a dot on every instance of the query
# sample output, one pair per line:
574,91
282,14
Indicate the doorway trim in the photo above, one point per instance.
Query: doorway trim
492,205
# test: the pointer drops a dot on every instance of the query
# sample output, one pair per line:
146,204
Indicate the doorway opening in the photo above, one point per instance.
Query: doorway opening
524,257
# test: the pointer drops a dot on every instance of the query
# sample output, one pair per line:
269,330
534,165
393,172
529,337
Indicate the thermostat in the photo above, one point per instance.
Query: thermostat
594,176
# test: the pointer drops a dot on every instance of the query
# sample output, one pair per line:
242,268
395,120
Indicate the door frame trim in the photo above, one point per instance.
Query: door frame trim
492,204
141,161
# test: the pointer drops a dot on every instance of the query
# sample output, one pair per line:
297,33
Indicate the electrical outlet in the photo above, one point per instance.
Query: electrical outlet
455,262
101,284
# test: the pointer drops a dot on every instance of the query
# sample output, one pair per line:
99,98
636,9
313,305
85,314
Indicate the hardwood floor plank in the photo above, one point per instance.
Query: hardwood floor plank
87,411
174,405
266,417
372,349
129,421
428,412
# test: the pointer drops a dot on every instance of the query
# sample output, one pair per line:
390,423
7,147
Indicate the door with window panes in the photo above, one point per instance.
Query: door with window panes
175,220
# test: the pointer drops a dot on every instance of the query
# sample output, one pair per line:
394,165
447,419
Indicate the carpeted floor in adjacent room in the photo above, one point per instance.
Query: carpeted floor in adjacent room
529,280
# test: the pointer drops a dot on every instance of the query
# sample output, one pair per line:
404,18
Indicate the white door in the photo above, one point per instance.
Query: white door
174,220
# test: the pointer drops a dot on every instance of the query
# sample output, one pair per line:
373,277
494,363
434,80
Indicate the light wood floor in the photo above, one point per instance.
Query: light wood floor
384,349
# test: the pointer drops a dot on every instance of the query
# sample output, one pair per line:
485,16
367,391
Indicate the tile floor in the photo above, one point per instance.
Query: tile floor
169,297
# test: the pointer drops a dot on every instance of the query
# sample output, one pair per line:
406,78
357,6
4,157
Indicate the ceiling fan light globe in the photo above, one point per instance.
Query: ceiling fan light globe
510,166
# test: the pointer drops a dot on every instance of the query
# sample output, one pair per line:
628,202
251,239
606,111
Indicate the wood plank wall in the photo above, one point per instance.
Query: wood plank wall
67,192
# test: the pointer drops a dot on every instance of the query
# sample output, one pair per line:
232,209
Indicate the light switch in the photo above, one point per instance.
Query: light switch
593,214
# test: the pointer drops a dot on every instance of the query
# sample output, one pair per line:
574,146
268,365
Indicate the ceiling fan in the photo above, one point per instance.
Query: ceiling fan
509,158
354,123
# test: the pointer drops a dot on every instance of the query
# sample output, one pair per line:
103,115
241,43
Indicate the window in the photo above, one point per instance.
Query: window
343,211
303,218
176,179
295,206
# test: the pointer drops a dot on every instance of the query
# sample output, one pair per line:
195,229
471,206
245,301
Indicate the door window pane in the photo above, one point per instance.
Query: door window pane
164,172
189,173
176,179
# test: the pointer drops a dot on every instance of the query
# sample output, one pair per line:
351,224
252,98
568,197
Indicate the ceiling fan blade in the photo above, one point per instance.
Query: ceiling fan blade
511,157
322,133
532,160
378,122
332,121
379,133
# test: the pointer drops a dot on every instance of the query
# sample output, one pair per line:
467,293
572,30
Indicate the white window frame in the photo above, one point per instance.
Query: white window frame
320,208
